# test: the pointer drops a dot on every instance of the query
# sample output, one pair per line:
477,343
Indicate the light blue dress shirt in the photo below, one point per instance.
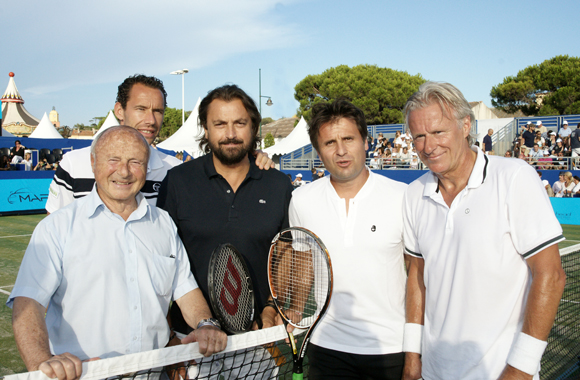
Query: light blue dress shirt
107,282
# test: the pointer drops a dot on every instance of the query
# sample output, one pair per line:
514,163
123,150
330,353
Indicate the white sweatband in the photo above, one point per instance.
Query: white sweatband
526,353
412,337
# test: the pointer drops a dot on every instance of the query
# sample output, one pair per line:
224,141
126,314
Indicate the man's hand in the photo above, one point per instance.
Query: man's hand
270,318
412,369
176,371
263,161
511,373
211,340
64,367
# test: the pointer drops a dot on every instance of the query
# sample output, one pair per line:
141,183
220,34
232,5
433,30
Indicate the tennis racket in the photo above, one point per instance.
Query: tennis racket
231,293
300,279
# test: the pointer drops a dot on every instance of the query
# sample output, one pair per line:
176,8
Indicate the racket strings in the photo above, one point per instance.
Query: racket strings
233,291
299,273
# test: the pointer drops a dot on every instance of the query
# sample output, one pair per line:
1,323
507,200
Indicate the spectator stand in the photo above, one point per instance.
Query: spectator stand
385,129
552,123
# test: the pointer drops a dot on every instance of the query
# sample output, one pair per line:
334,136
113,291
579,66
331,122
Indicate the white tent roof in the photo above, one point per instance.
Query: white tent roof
5,133
296,139
45,130
110,121
185,139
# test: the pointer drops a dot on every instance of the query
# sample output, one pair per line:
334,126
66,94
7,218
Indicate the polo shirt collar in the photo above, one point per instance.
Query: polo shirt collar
364,190
477,177
94,202
209,167
154,160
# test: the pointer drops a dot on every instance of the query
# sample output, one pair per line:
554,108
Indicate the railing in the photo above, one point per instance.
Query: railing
503,139
373,163
546,163
385,129
553,123
554,163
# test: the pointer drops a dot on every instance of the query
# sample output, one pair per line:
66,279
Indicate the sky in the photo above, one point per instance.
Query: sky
72,54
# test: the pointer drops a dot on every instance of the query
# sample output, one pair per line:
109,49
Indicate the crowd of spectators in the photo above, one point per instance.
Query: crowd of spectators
11,158
397,152
567,186
546,149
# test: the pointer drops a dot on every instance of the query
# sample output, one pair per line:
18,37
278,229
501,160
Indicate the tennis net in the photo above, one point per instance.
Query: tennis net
562,357
261,354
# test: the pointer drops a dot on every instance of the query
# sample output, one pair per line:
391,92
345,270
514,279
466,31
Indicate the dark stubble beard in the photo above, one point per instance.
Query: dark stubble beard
230,156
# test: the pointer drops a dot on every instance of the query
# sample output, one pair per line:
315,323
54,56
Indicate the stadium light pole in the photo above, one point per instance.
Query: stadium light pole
182,73
268,103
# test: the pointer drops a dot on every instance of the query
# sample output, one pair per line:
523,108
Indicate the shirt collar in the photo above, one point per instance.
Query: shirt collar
94,203
364,190
477,177
209,167
154,160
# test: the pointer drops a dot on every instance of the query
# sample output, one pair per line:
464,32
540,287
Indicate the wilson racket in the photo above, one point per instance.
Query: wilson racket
231,293
300,278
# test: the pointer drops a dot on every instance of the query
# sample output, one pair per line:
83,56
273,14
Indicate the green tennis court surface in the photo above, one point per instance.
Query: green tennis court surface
15,233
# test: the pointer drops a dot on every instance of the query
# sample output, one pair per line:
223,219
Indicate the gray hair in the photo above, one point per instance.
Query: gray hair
449,98
123,129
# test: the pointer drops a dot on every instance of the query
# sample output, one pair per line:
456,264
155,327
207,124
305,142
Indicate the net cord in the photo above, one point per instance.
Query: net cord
569,250
104,368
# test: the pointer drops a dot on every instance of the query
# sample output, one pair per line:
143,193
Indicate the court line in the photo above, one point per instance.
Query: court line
4,291
2,237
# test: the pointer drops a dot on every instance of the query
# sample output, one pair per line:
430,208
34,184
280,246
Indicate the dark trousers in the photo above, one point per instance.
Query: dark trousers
329,364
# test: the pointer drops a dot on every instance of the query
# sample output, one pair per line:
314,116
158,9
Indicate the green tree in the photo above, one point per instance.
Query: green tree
556,80
267,120
65,131
268,140
171,122
102,121
380,92
81,126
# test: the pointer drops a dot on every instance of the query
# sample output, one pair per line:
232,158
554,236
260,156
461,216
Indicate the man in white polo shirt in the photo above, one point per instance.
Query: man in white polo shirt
361,336
483,281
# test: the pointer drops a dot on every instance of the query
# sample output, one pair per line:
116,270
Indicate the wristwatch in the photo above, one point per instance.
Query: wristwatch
209,322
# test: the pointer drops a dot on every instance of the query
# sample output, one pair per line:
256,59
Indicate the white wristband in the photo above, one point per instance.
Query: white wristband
412,337
526,353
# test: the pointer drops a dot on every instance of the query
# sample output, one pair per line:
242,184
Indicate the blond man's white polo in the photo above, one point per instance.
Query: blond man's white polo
476,276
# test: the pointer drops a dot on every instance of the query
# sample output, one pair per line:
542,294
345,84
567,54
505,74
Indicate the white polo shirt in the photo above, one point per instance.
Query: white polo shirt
475,275
74,177
366,314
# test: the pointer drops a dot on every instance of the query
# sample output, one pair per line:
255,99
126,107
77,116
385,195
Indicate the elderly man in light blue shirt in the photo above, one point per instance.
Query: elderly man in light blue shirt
104,270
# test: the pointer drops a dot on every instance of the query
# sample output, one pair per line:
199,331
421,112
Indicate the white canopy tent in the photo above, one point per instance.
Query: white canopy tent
110,121
185,138
296,139
45,130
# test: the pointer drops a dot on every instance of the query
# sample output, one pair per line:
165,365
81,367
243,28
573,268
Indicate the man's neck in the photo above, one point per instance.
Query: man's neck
234,174
349,189
123,209
453,183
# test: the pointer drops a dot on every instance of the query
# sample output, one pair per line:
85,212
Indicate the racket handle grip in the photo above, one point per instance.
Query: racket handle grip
297,372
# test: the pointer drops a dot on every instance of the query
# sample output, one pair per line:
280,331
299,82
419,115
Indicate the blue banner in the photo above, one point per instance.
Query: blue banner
23,194
567,210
